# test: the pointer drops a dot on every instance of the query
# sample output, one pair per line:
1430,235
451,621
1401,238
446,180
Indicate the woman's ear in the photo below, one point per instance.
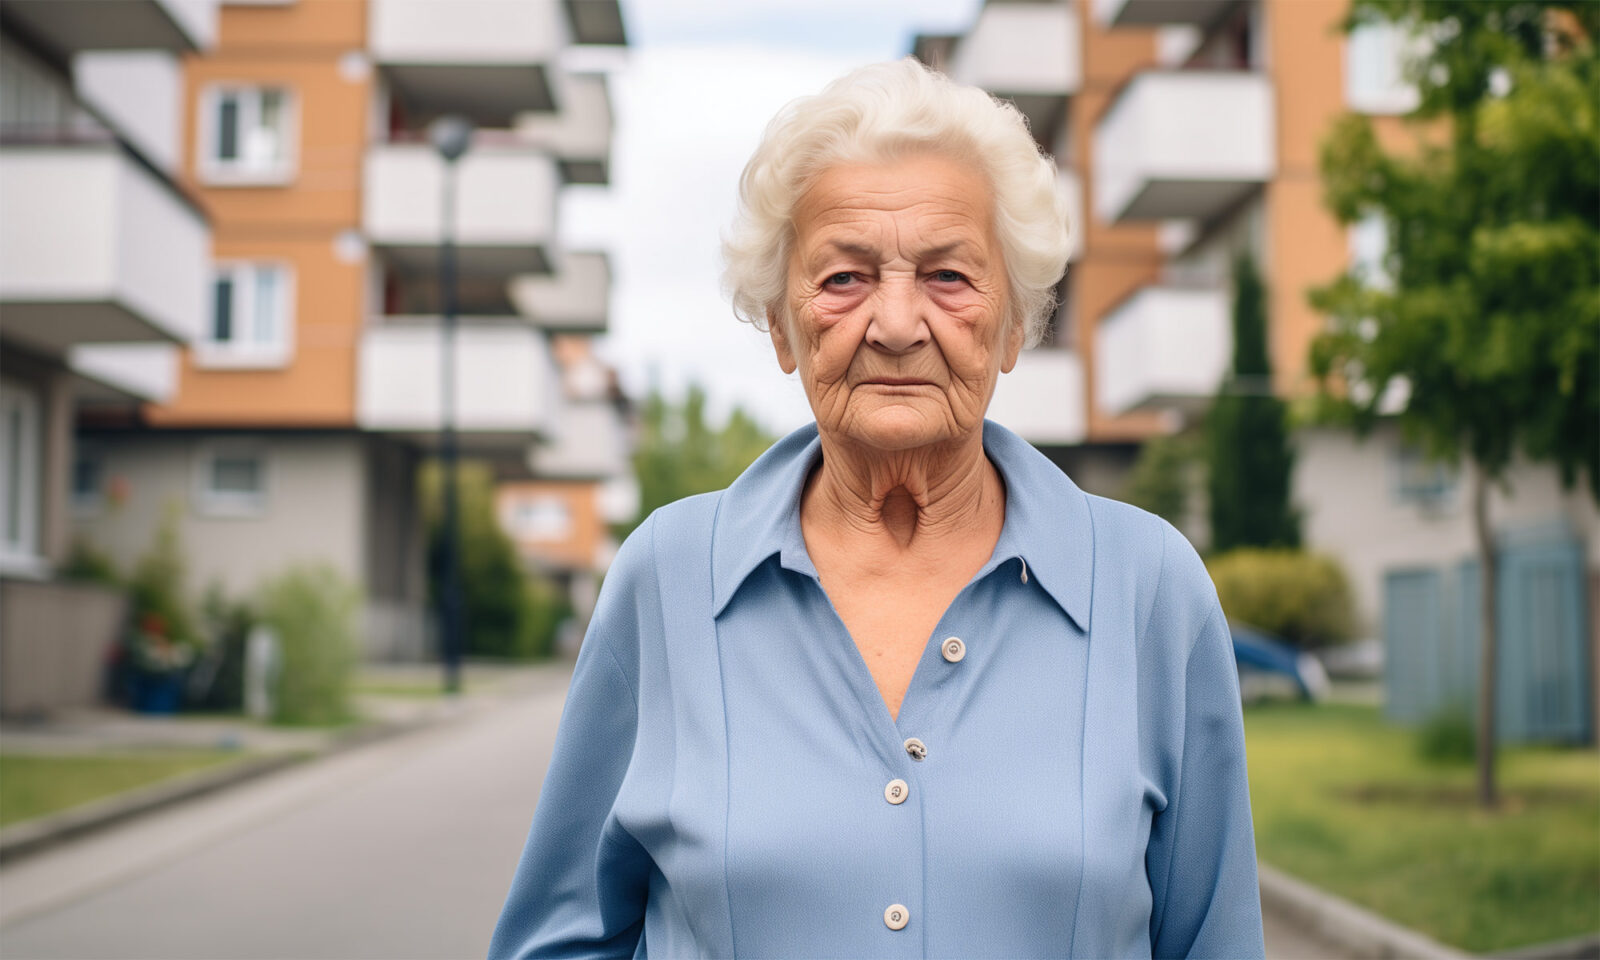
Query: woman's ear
780,342
1016,333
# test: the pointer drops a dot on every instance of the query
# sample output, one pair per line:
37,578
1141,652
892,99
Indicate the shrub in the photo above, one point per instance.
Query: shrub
1448,737
1300,597
313,610
156,588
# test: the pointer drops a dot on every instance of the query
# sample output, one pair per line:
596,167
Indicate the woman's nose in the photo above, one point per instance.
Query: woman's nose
899,322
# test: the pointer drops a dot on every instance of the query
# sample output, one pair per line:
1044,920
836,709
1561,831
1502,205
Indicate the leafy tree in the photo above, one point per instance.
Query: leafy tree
1159,482
508,613
678,454
1248,457
1486,315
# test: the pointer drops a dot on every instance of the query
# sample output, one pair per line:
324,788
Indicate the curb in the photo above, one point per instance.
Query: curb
32,836
1339,922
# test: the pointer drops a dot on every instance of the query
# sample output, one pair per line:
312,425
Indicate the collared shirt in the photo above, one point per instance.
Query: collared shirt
1066,776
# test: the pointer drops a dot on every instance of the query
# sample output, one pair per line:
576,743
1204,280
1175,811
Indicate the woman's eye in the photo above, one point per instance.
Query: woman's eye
948,276
840,279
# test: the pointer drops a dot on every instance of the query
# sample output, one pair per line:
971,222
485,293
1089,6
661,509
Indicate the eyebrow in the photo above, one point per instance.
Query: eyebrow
867,250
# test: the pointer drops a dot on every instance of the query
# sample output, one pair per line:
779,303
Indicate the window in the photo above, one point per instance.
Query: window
19,480
231,479
88,480
1420,481
1374,69
247,135
543,519
252,321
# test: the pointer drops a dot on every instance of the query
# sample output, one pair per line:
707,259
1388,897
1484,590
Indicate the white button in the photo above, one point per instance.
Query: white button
953,649
896,791
896,917
916,748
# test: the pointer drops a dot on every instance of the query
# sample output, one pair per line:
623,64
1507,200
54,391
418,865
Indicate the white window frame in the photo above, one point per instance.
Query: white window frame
19,548
1416,481
211,502
240,172
247,350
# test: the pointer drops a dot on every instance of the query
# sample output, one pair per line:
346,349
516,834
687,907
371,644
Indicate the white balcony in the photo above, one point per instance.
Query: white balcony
179,26
96,248
1042,398
1164,347
1150,13
1182,144
578,131
1028,52
125,372
505,381
489,59
575,298
588,441
505,208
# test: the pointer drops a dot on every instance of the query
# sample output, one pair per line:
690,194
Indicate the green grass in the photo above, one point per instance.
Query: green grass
32,786
1343,801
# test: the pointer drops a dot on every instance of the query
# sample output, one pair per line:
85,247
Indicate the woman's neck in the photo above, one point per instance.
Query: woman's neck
912,500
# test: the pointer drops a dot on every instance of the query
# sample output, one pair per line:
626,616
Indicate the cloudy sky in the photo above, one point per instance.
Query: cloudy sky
691,96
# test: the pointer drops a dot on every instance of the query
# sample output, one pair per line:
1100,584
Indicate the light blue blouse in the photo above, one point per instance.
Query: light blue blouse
724,778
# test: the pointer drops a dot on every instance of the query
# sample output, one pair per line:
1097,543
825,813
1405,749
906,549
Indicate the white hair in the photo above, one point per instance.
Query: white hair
879,113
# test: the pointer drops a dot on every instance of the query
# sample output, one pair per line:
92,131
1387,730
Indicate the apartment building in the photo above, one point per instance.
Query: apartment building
1193,127
294,420
101,243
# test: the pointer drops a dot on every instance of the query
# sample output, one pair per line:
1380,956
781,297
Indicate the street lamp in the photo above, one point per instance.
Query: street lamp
450,135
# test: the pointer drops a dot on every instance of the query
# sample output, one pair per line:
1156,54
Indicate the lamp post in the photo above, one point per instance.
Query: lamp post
450,136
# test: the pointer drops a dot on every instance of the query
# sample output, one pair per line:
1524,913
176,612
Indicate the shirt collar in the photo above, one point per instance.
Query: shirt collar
1047,523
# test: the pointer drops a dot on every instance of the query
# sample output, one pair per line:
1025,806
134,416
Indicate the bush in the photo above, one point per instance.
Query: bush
1449,737
1300,597
313,610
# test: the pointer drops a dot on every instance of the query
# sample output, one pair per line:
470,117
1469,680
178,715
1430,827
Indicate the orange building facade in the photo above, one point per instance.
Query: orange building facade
1194,129
289,429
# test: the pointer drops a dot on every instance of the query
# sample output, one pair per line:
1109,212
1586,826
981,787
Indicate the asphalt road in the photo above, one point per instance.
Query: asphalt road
403,849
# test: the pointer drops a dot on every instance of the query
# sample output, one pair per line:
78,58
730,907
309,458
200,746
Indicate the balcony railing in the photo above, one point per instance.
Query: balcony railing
1042,398
178,26
1164,347
505,381
575,298
1027,52
1147,13
95,246
1180,144
488,59
505,207
578,131
588,442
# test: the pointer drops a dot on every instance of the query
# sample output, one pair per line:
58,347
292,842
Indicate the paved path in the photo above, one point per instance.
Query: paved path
399,850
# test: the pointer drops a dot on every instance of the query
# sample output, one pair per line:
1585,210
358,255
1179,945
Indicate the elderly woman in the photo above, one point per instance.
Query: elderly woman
902,689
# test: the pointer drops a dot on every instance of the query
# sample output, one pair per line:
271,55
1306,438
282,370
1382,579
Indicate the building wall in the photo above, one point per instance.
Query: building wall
581,547
311,223
1348,490
315,508
1117,260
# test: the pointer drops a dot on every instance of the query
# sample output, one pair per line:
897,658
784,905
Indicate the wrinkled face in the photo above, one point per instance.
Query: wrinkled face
897,302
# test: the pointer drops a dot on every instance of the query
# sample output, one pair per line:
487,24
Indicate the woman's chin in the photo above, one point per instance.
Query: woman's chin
900,426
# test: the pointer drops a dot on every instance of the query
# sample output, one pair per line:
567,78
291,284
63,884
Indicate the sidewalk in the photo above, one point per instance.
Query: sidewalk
407,705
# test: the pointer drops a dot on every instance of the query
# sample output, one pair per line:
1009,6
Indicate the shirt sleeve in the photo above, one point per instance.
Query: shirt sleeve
580,886
1201,856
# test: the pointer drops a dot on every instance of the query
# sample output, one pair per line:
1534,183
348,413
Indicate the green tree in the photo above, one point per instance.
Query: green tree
678,454
1485,318
1160,478
508,612
1249,461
